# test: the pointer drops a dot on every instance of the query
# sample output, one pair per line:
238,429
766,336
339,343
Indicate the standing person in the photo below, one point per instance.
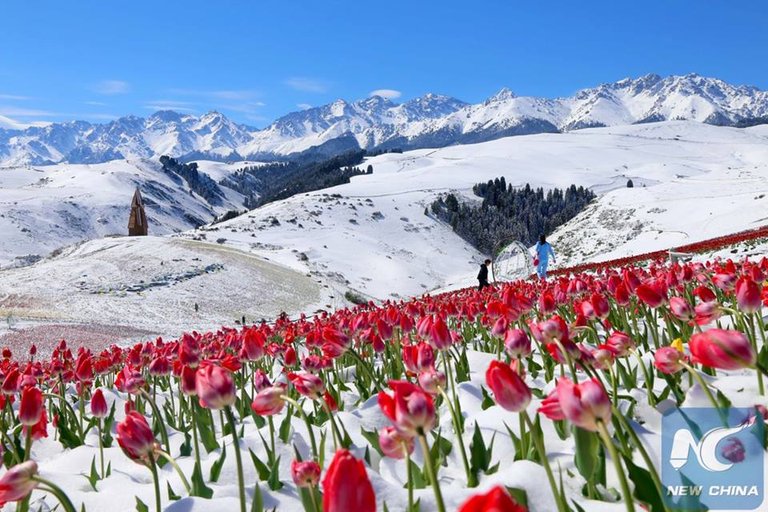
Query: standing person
543,252
482,276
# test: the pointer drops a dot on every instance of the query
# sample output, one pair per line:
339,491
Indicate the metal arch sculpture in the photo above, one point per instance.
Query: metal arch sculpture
513,261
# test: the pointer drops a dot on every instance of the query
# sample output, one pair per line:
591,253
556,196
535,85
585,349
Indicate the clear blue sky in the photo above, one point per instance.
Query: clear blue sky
256,60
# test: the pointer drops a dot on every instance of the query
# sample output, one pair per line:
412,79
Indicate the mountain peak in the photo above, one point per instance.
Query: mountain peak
504,94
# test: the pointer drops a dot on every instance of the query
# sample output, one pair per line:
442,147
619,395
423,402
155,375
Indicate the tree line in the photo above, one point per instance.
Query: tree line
507,213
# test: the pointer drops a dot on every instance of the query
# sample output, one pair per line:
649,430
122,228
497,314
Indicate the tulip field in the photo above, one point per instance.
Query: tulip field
530,395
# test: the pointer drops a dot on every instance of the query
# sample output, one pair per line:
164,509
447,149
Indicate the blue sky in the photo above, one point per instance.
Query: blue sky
257,60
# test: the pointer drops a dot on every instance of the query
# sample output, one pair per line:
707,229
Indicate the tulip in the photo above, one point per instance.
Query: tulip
705,294
650,294
517,343
707,312
17,483
619,344
188,380
725,282
432,381
720,348
585,404
668,360
135,437
346,485
307,384
748,295
439,334
11,382
269,401
600,306
260,380
496,500
306,473
509,390
215,387
98,405
681,309
394,443
410,409
31,407
253,345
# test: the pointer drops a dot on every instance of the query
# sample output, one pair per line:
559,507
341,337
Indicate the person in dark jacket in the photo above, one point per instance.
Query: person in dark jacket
482,276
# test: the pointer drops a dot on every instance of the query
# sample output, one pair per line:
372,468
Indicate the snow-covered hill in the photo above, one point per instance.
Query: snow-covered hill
431,121
692,181
43,208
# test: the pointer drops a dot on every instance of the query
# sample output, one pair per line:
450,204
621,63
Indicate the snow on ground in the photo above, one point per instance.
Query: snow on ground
692,181
220,170
150,284
43,208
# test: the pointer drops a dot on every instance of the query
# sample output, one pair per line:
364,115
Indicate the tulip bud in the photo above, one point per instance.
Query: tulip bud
432,381
31,407
135,437
509,390
98,404
215,387
268,401
307,384
517,343
395,444
584,404
668,360
346,485
306,473
681,309
17,483
748,295
410,409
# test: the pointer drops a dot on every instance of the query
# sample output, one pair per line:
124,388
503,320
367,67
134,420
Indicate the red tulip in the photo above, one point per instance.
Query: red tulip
16,483
707,312
410,409
517,343
135,437
650,294
268,401
584,404
31,407
619,344
432,381
439,334
215,387
496,500
98,404
260,380
681,309
705,294
306,473
509,390
748,295
667,360
394,443
307,384
253,345
346,485
11,382
600,305
40,429
719,348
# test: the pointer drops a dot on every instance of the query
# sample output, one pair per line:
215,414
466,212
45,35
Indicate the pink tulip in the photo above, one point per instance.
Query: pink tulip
17,483
306,473
215,387
98,404
720,348
135,437
748,295
584,404
681,309
394,443
517,343
307,384
668,360
269,401
409,408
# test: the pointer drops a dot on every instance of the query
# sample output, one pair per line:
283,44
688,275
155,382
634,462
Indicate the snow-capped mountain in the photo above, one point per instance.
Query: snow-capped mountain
429,121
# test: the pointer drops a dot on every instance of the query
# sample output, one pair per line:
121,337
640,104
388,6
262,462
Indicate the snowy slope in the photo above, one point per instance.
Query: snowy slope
43,208
430,121
372,234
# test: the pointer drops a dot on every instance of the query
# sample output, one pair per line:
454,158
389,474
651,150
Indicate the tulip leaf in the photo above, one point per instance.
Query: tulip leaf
306,497
198,485
171,494
519,495
67,436
218,464
261,468
93,475
284,431
762,356
645,489
141,506
373,438
418,476
257,505
487,400
273,481
185,450
587,452
440,449
206,430
480,456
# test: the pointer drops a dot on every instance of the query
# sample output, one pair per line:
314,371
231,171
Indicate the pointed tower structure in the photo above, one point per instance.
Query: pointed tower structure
137,223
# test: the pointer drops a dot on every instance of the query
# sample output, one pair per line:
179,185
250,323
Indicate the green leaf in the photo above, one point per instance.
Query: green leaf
185,450
261,468
479,455
218,464
172,495
519,495
418,476
587,452
141,506
487,400
274,482
372,438
284,432
198,484
257,505
106,430
205,429
645,489
93,476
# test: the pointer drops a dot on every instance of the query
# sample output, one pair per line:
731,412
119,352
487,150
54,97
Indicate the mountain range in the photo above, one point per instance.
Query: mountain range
376,123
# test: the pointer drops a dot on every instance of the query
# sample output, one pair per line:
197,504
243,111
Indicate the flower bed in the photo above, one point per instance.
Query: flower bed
532,395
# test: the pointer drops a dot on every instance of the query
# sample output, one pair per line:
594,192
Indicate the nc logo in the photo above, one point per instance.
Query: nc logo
706,449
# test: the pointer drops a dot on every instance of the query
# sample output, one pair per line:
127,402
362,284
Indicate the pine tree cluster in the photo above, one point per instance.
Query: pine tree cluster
507,214
198,182
263,184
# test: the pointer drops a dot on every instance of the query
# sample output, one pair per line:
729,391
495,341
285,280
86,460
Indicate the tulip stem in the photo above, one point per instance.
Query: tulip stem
606,437
409,473
68,408
313,498
178,470
643,452
28,444
311,432
161,424
54,489
431,471
238,457
539,445
646,378
101,449
368,369
156,480
700,381
471,478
